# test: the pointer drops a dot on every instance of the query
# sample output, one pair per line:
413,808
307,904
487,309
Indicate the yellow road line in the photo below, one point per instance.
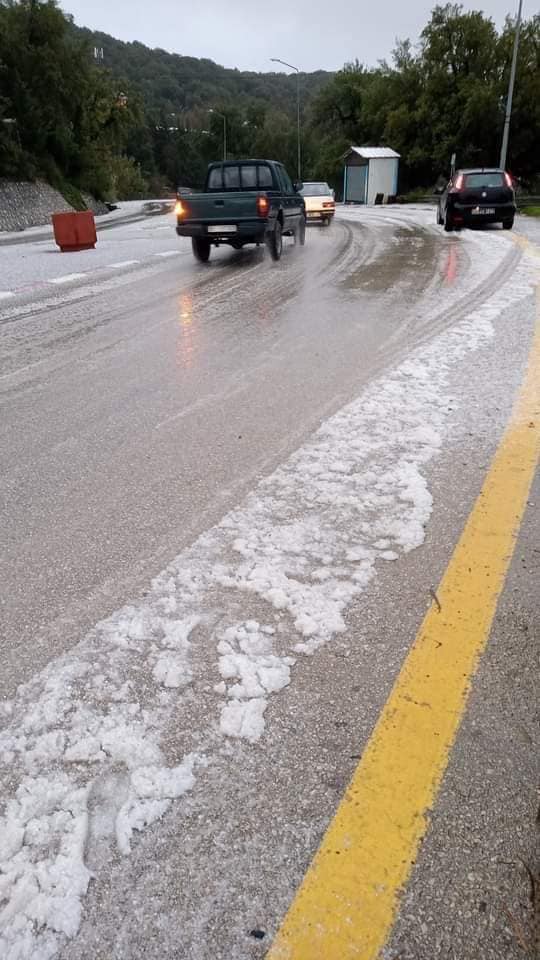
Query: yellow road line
347,903
526,244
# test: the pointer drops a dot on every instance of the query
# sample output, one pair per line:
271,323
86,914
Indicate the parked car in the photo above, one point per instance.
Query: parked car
320,201
244,201
477,196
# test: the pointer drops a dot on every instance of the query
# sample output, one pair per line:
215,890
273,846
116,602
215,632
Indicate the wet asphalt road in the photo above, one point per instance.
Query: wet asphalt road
136,410
133,416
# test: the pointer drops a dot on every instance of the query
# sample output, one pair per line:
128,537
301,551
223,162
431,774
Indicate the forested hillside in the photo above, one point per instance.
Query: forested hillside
179,136
172,82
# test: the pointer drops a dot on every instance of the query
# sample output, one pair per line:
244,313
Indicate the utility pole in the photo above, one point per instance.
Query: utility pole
298,133
224,118
508,115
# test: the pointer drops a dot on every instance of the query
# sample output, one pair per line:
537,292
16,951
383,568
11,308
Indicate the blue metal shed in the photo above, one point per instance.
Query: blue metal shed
370,171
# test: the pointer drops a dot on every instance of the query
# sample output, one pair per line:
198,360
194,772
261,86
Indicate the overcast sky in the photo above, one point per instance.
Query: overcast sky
313,34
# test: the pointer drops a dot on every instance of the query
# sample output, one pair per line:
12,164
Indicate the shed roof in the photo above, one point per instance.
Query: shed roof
373,153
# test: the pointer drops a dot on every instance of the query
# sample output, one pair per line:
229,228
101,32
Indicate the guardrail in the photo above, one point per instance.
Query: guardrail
157,207
521,200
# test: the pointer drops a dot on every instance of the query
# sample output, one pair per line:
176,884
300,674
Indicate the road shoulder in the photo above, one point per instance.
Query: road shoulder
469,896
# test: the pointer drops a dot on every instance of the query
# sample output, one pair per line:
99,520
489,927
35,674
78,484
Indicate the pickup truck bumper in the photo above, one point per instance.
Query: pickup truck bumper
245,229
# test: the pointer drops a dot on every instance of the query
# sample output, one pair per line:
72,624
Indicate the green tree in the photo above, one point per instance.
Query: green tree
339,105
524,145
446,96
70,117
458,108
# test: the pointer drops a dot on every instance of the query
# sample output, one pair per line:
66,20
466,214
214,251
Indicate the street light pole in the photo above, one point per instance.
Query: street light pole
292,67
224,118
508,115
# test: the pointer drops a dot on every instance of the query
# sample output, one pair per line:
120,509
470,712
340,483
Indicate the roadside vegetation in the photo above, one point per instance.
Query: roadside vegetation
138,121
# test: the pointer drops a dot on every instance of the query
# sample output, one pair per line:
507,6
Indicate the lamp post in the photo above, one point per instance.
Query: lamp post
508,114
224,118
292,67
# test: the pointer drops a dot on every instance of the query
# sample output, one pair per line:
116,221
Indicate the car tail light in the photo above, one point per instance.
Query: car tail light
459,182
263,206
508,179
329,204
179,208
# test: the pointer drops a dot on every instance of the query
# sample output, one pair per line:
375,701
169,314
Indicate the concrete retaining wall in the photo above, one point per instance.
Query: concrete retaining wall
24,204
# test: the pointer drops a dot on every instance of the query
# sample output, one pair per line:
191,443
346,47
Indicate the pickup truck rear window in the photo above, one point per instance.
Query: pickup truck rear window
215,180
265,177
231,178
246,176
249,176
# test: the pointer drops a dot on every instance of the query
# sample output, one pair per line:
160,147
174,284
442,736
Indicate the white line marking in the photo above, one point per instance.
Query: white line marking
124,263
168,253
68,277
5,294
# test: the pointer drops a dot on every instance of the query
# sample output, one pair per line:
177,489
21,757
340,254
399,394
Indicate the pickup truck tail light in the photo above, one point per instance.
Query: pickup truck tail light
179,208
508,180
263,206
459,182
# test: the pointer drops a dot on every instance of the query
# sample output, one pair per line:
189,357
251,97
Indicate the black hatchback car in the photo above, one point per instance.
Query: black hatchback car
477,196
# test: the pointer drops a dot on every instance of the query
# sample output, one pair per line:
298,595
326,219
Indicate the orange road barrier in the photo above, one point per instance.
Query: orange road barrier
74,231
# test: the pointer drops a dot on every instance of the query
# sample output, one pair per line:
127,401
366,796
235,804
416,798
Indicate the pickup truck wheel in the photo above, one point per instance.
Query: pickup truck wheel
275,241
201,249
448,225
508,223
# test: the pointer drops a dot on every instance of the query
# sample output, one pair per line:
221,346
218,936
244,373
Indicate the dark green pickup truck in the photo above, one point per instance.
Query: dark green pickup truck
244,201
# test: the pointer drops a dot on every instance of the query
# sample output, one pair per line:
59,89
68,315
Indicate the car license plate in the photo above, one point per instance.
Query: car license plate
223,228
312,216
483,210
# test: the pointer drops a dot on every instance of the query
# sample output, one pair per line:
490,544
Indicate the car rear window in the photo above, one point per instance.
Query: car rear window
316,190
475,180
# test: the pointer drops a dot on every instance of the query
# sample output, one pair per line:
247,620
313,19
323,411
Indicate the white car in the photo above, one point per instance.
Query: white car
320,201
